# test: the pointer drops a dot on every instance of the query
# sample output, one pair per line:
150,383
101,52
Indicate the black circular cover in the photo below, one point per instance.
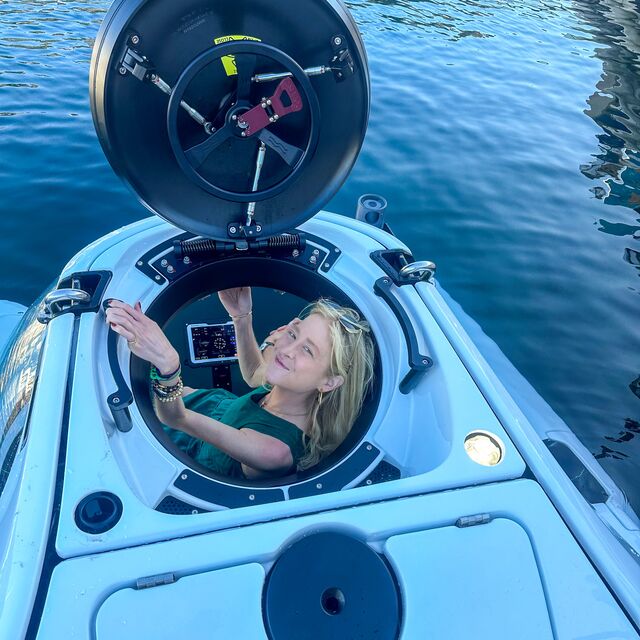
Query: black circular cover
144,139
330,585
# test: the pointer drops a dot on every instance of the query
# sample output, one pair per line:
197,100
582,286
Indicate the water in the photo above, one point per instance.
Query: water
504,135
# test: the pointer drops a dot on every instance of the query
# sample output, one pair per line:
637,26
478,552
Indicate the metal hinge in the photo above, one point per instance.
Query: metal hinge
472,521
155,581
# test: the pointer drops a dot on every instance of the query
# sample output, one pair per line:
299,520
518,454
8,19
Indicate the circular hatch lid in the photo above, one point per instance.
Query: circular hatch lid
230,118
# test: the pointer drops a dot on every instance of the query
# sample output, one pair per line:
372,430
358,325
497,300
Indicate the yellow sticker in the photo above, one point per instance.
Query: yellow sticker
229,62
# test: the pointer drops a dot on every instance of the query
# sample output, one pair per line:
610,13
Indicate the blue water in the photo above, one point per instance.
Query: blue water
504,135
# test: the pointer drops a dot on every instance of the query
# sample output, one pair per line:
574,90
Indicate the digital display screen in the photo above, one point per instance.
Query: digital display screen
212,343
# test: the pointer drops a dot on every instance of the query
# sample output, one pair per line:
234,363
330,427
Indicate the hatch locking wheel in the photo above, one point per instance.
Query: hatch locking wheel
247,120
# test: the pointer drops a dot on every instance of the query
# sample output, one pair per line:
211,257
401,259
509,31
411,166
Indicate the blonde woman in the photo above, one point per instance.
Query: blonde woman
310,382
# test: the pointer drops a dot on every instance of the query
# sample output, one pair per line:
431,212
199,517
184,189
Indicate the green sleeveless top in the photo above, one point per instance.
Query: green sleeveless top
238,412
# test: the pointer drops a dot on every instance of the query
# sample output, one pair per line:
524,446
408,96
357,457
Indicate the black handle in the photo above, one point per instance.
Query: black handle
419,364
120,399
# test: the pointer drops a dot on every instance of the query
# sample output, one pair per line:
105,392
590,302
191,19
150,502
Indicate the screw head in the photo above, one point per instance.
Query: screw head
170,269
319,485
276,116
243,134
252,496
271,119
295,253
139,263
369,447
135,39
425,361
234,117
326,265
164,262
232,229
122,71
258,228
263,104
158,278
269,101
337,40
194,511
369,482
186,260
316,252
116,400
183,476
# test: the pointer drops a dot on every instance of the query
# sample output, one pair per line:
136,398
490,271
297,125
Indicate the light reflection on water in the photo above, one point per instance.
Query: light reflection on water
501,133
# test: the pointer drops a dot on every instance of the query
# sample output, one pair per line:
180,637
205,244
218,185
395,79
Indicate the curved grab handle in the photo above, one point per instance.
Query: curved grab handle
419,363
120,399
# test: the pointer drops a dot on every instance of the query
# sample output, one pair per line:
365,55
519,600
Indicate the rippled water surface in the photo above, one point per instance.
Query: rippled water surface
503,134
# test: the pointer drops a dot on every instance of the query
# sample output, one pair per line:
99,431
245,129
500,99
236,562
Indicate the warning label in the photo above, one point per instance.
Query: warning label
229,62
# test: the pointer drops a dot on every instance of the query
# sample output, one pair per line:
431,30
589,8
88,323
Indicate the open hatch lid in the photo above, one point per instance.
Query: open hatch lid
229,118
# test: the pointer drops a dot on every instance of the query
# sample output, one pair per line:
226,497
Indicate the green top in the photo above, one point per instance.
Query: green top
242,412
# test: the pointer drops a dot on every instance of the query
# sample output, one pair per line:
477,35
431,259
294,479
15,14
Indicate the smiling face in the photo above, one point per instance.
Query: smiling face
302,357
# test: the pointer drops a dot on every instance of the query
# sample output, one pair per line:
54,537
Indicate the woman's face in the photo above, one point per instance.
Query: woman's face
302,354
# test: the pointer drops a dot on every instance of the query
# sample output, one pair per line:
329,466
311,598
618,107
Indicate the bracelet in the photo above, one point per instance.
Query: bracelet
241,315
154,374
167,394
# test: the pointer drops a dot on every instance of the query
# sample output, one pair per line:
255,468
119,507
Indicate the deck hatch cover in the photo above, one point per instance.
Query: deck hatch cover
178,92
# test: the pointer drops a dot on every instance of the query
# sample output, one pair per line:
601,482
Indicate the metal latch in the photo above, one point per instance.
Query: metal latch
155,581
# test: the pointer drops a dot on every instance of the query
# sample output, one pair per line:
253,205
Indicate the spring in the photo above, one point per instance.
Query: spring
194,248
285,241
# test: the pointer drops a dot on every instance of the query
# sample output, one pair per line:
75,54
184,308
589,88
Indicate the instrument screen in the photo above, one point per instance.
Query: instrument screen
212,343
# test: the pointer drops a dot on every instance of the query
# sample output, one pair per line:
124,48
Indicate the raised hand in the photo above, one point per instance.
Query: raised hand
236,301
144,337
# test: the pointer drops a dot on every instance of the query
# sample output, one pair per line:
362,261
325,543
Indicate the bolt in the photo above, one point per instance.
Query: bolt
271,119
232,229
263,104
170,269
252,496
116,400
194,511
369,447
258,228
269,101
313,259
243,134
316,252
337,250
135,39
139,263
295,253
385,280
234,117
183,476
337,41
276,116
425,361
326,265
369,482
319,485
122,71
164,262
158,278
186,260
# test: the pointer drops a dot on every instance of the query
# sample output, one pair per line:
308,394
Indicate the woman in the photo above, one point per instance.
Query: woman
316,374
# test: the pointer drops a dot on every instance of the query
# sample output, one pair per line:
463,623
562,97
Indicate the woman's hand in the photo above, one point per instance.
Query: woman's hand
144,337
236,301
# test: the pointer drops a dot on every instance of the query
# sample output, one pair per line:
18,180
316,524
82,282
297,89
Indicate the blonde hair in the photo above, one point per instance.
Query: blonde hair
352,357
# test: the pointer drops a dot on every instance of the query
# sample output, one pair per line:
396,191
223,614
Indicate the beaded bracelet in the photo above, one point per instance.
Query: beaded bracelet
167,394
154,374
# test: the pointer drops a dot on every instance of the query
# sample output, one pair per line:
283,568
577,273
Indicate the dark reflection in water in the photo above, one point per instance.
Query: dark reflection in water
615,107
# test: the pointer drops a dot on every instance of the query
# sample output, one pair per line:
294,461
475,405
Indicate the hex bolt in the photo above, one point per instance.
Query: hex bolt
313,259
316,252
116,400
326,265
170,269
232,230
164,262
295,253
183,476
186,260
269,101
135,39
337,41
158,278
122,71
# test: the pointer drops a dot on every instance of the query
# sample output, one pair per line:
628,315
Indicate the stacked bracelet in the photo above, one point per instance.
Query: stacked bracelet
165,393
241,315
156,375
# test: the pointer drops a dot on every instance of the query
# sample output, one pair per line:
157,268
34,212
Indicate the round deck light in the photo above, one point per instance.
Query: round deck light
484,448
